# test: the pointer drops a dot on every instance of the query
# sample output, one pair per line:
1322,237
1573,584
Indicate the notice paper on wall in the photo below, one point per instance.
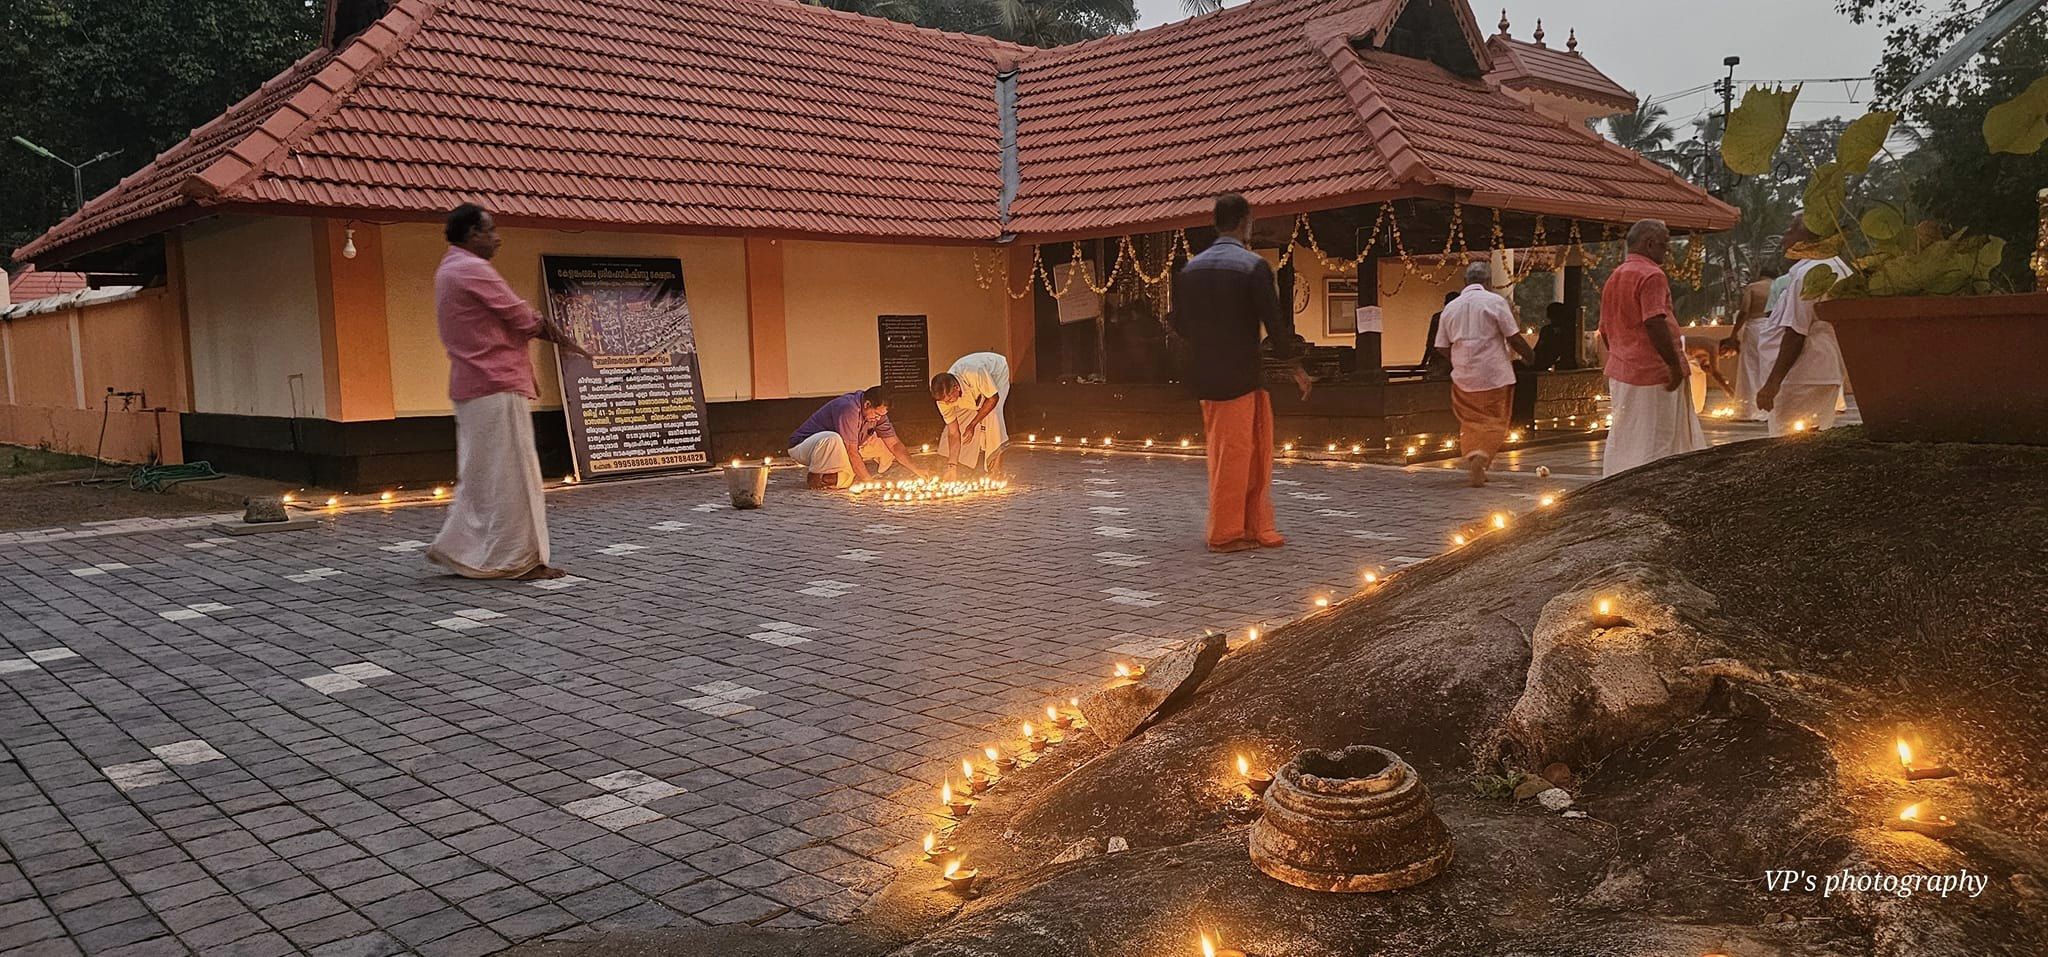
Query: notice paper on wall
636,405
1370,319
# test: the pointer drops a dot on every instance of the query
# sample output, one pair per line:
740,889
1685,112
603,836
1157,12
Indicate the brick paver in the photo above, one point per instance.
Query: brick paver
307,743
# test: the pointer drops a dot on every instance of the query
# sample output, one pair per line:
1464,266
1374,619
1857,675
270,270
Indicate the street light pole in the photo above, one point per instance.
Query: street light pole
77,169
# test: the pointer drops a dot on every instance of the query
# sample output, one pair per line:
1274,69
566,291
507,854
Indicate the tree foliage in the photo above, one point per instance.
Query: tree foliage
1953,176
87,76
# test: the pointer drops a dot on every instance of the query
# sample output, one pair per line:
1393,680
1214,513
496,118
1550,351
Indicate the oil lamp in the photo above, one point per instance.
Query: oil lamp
1605,616
1058,718
960,879
1209,948
957,804
1002,762
1920,772
1257,781
933,850
1911,819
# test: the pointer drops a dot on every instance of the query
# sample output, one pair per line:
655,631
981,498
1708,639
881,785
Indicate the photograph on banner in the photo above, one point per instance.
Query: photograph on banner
636,404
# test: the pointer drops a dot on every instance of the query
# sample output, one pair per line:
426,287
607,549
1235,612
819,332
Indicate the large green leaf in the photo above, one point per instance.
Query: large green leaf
1885,228
1826,196
1818,281
1827,248
1861,141
1989,254
2019,125
1756,128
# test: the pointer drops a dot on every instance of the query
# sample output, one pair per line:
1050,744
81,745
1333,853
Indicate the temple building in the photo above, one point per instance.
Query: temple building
815,170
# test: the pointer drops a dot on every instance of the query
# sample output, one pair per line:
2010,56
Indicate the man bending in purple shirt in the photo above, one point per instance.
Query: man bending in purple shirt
838,439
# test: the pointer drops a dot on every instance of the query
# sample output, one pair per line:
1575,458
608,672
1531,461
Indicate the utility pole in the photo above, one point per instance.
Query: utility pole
1726,87
77,169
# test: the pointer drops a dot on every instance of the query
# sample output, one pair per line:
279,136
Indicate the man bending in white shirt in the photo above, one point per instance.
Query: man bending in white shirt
971,396
1805,362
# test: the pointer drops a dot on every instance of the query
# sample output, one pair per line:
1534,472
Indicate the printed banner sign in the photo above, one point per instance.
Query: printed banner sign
637,404
906,355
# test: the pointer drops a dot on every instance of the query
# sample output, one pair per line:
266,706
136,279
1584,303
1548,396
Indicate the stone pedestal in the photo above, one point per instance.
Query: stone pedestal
1349,821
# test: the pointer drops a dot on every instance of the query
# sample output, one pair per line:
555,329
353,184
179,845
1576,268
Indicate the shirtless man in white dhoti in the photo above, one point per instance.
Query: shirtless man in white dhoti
971,396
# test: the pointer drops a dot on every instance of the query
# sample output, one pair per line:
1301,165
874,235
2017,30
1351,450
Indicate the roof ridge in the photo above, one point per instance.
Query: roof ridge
322,94
1377,117
977,39
1218,15
1645,162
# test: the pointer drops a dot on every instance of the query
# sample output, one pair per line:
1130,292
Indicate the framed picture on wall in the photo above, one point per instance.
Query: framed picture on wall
1340,306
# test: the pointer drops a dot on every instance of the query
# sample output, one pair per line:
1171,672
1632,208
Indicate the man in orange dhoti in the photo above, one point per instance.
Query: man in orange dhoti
1221,299
1478,329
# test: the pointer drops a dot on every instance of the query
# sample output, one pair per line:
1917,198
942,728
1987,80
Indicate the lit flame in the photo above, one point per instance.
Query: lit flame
1604,607
1500,520
993,754
1033,437
1183,443
1057,439
1027,729
1458,539
1208,946
1799,426
735,463
967,769
1251,634
1547,501
1051,713
440,492
1371,578
953,867
1244,766
1515,436
1105,440
1911,813
286,498
1332,447
1084,440
1123,670
931,842
333,501
1148,443
1905,752
1322,602
1355,449
1409,451
1073,702
384,496
1286,446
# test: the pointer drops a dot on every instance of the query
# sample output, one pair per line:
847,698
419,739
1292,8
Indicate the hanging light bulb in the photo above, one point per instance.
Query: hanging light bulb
348,243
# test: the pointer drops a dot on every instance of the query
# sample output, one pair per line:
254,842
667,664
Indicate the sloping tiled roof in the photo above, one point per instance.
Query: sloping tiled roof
1524,65
703,114
1292,103
773,116
32,284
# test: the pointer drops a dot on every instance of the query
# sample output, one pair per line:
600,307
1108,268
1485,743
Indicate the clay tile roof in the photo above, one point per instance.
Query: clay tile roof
1523,65
775,116
32,284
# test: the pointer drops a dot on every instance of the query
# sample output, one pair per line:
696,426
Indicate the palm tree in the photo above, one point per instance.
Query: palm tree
1648,130
907,11
1195,8
1050,23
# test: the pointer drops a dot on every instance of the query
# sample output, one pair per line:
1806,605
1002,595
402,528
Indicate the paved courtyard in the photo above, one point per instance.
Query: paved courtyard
306,742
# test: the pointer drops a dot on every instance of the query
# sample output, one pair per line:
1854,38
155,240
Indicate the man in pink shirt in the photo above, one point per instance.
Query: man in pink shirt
497,526
1477,330
1646,371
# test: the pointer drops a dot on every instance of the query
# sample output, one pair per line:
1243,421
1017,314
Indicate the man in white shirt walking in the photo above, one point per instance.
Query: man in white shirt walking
1477,330
1805,363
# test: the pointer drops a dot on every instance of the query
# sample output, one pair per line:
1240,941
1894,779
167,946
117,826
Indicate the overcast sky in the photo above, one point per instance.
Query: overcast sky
1661,47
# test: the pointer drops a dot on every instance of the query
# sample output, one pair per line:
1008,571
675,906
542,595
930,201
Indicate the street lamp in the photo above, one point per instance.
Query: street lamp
77,169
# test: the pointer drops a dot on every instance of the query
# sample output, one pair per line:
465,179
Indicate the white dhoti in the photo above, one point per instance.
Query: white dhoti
1749,369
825,454
1650,422
1812,404
497,526
988,438
1697,386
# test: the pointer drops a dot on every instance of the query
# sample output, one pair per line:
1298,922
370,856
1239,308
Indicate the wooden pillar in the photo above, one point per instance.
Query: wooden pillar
1020,315
1574,299
767,321
355,339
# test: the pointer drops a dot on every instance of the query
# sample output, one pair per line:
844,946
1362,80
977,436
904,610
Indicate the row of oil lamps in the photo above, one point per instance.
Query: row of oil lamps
930,489
1408,450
